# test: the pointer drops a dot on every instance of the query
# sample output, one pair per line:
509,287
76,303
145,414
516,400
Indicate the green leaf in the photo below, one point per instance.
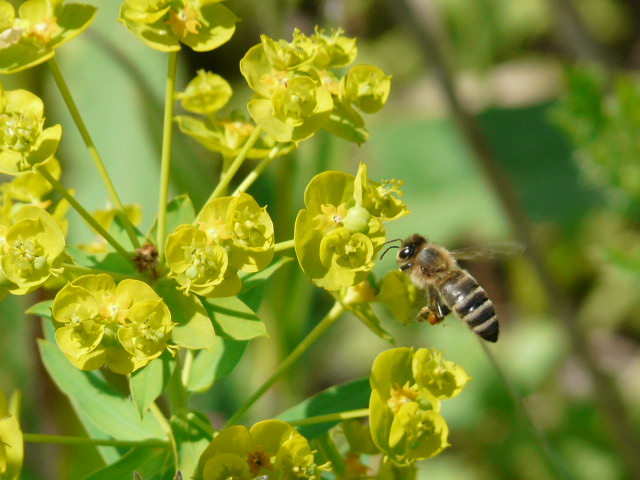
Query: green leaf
232,318
210,366
194,329
109,262
148,462
42,309
252,283
148,383
96,401
339,398
192,433
180,211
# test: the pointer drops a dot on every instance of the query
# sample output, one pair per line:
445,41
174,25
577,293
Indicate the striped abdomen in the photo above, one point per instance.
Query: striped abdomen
462,294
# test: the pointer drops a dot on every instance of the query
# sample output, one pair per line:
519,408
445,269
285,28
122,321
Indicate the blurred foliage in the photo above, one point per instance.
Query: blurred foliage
584,207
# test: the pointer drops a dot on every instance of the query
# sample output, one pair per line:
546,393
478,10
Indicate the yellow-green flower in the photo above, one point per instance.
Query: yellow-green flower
11,442
164,24
231,233
339,234
41,26
24,142
271,449
205,94
31,250
407,388
98,323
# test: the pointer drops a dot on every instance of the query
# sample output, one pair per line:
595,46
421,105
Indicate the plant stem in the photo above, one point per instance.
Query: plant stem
288,362
227,175
93,151
69,440
549,453
287,244
330,417
165,165
83,213
613,410
330,450
255,173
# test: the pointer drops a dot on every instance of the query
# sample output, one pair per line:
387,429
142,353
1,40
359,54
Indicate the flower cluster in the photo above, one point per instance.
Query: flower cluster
30,38
163,24
31,248
298,92
98,323
230,234
271,450
341,231
24,142
407,388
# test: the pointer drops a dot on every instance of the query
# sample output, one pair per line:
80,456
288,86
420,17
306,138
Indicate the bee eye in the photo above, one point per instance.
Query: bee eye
405,252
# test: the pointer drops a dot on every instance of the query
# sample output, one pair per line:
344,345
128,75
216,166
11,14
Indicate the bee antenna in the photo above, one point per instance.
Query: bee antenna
390,246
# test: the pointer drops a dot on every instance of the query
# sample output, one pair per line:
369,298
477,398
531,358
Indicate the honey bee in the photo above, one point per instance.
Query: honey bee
434,270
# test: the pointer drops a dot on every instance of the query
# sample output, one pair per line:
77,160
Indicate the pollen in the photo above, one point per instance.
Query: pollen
401,395
258,459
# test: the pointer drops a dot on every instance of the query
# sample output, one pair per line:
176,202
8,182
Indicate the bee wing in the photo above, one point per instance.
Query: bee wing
488,252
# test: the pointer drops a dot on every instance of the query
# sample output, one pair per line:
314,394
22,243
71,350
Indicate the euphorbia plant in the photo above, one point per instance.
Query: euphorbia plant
166,309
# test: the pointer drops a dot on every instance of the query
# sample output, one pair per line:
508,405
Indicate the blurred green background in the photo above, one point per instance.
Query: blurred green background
552,85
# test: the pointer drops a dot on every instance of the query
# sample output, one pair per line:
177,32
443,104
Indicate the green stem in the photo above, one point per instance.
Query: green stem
330,450
255,173
330,417
69,440
165,166
186,368
288,362
80,270
227,175
548,453
83,213
287,244
164,424
93,151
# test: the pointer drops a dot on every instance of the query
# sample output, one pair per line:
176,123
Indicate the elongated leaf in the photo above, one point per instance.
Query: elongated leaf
148,383
194,329
192,433
210,366
339,398
96,401
42,309
150,463
232,318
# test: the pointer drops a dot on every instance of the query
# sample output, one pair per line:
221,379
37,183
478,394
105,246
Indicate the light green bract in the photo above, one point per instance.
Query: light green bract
31,249
271,450
230,234
339,234
297,93
24,142
99,324
164,24
41,26
407,388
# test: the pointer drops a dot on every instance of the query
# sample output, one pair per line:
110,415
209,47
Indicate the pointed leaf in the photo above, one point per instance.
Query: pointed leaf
210,366
232,318
96,401
339,398
192,433
148,383
194,328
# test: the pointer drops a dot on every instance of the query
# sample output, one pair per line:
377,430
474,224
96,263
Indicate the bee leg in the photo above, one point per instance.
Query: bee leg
435,312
